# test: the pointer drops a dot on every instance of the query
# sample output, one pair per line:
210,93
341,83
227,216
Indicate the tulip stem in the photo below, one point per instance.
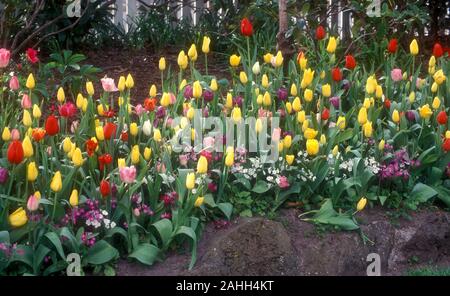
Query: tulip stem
206,64
54,206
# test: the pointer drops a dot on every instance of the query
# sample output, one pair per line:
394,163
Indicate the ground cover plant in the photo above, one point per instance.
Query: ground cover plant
101,175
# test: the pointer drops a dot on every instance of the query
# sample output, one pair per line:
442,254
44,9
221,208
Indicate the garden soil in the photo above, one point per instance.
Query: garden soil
289,246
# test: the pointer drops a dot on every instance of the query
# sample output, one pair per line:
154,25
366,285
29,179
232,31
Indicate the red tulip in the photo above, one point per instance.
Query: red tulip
32,55
387,103
442,118
103,160
109,130
350,62
336,74
392,46
437,50
15,152
52,125
91,146
446,145
150,104
320,33
67,110
104,188
246,27
325,114
124,136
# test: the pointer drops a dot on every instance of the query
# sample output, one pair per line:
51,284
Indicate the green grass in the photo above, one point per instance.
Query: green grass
429,271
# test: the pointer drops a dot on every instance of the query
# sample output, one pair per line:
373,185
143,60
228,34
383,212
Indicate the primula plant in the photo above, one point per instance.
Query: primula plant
104,176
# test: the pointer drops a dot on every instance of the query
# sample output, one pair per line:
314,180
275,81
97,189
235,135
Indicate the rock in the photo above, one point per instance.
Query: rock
253,247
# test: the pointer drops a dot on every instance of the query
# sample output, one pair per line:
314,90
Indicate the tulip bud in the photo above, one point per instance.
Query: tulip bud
290,159
6,134
202,165
199,201
36,111
256,69
135,154
129,82
56,183
77,157
73,200
190,181
147,153
121,83
89,88
26,120
61,96
30,84
162,64
157,135
361,204
27,147
32,172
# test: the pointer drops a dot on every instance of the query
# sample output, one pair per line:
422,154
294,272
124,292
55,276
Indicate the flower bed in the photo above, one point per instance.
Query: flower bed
95,175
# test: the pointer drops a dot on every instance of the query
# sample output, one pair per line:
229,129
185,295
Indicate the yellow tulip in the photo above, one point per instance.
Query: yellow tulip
341,122
192,53
147,153
199,201
258,125
412,97
73,200
268,58
310,133
362,116
368,130
121,83
332,43
296,104
259,99
61,96
235,60
439,77
361,204
162,64
153,90
425,111
129,82
432,61
312,147
414,47
36,111
213,85
326,90
26,120
371,84
165,99
30,84
56,183
236,114
290,159
18,218
77,157
134,129
294,91
279,59
381,145
135,154
434,87
229,101
289,107
303,62
280,146
182,60
6,134
229,158
190,181
121,162
301,116
89,88
335,150
308,94
99,133
157,135
202,165
287,141
379,91
32,172
85,105
307,78
436,103
206,45
447,134
243,77
267,101
265,81
396,116
197,90
28,150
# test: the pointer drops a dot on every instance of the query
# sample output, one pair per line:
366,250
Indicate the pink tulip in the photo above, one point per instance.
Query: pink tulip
396,74
183,159
33,203
15,134
139,109
4,57
128,174
208,142
26,102
173,98
283,182
14,83
108,84
136,212
276,134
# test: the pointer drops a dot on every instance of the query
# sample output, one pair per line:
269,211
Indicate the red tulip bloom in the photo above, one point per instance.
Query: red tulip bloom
52,125
350,62
392,46
446,145
67,110
105,189
15,152
124,136
387,103
320,33
103,160
336,74
442,118
246,27
91,146
32,55
38,134
437,50
109,130
150,104
325,114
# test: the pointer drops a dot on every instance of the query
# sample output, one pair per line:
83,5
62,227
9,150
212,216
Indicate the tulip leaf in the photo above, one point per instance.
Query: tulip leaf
189,232
56,242
226,208
145,253
422,192
164,228
101,253
260,187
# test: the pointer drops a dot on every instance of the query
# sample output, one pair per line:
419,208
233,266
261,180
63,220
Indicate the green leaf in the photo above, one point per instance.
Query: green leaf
145,253
164,228
260,187
422,192
226,208
189,232
4,237
101,253
56,242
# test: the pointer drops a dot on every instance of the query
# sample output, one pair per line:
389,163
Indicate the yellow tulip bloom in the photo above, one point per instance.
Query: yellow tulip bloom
56,183
18,218
312,147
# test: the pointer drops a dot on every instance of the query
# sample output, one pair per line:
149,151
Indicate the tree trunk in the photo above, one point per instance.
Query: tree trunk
283,43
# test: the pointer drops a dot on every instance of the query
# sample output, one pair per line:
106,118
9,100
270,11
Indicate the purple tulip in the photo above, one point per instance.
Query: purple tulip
410,115
4,174
238,101
282,94
335,102
160,112
208,95
346,84
188,92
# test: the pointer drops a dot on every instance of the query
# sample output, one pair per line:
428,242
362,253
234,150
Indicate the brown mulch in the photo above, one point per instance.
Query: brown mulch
143,66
